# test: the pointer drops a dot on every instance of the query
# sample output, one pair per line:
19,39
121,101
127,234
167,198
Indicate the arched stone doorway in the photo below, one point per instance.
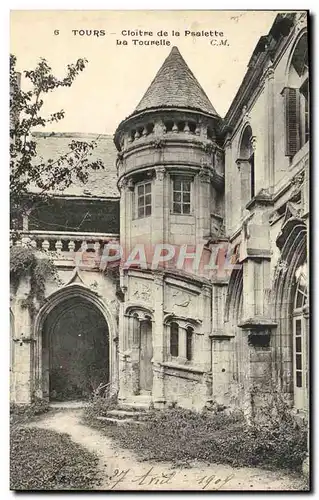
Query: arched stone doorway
76,345
292,241
75,350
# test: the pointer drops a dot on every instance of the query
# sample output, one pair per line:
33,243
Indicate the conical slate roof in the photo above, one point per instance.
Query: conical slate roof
175,86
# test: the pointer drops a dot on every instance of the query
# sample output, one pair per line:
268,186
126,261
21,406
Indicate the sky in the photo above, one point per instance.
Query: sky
117,76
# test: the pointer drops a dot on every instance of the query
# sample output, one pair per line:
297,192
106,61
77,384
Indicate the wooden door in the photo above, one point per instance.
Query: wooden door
146,355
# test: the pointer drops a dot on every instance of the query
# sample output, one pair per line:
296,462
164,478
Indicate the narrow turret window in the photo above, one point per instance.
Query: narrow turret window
174,340
181,195
144,199
189,343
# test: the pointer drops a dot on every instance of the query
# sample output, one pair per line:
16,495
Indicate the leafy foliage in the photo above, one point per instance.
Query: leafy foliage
45,460
26,171
23,263
181,436
100,406
20,413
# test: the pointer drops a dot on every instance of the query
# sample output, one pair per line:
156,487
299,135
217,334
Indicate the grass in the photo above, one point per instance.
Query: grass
24,413
46,460
182,436
42,459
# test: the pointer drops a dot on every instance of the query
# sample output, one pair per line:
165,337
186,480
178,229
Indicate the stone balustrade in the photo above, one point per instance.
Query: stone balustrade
168,126
65,244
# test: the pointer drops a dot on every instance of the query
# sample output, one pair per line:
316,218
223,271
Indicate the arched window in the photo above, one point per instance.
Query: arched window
300,361
246,166
189,343
296,95
174,339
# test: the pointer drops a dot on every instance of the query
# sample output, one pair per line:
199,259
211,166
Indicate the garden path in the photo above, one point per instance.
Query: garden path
121,470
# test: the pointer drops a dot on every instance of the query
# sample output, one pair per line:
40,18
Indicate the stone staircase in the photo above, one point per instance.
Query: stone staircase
140,402
132,410
121,417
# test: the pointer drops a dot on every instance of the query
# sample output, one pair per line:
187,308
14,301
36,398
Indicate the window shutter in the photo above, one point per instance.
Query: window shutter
291,97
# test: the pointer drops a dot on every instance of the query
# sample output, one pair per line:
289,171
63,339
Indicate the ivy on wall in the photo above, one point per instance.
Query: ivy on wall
23,264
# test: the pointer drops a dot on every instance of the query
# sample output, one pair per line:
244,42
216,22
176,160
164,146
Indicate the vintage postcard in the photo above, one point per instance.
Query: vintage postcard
159,302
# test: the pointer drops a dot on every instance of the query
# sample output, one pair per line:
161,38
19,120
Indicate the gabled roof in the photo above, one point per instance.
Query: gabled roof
175,86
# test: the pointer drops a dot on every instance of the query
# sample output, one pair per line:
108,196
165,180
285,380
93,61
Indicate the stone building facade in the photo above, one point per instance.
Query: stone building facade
216,212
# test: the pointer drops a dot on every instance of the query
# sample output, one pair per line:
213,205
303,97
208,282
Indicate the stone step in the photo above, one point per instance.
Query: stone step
131,405
121,414
118,421
140,402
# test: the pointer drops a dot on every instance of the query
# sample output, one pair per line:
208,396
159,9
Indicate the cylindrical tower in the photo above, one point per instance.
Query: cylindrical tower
170,167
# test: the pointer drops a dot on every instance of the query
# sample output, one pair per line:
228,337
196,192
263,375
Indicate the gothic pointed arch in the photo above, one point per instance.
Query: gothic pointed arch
234,298
292,241
140,310
61,302
246,163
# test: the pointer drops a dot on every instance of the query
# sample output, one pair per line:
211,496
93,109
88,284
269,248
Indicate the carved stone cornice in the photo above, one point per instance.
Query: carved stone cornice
204,174
160,173
263,198
253,142
242,163
269,73
122,184
130,184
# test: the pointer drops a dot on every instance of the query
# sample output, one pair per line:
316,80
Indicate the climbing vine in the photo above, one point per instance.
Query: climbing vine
24,263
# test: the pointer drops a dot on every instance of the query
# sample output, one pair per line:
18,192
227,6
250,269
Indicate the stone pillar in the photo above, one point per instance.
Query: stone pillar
222,365
248,288
203,215
159,208
158,330
269,137
222,368
126,214
23,354
257,364
229,179
206,327
134,335
123,326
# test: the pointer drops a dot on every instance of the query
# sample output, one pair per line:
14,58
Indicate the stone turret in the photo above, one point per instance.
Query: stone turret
170,167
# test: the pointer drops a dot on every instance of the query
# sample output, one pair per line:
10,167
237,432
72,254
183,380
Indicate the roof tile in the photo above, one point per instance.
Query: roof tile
101,183
175,86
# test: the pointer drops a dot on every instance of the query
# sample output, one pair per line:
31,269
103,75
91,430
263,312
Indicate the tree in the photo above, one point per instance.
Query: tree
33,181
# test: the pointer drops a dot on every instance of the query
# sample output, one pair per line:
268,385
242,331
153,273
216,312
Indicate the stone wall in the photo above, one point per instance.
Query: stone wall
27,325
